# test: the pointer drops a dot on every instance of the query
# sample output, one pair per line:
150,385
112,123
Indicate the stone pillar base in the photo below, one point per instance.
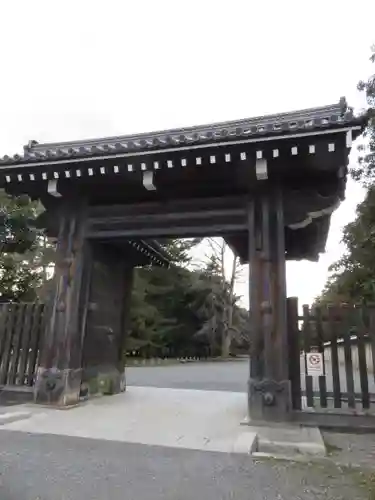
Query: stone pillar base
269,400
57,387
104,379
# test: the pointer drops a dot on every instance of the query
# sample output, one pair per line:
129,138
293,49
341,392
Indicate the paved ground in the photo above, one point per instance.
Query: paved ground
214,376
228,376
180,418
72,466
62,468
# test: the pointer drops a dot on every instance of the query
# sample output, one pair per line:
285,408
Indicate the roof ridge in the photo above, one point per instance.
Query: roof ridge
307,113
306,120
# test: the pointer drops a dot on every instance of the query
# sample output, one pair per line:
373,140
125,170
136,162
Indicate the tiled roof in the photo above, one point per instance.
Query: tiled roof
284,124
153,250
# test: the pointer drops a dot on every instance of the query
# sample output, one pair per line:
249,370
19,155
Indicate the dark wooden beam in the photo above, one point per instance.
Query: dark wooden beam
171,206
169,216
171,231
279,341
58,378
269,387
257,340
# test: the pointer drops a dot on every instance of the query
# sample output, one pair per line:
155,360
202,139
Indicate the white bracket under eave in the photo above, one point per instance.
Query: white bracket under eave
52,189
349,139
148,181
261,169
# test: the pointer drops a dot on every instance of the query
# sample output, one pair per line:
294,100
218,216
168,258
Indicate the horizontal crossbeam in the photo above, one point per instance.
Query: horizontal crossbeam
187,231
161,217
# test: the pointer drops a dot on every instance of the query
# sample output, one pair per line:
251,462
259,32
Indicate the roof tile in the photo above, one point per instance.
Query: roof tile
284,123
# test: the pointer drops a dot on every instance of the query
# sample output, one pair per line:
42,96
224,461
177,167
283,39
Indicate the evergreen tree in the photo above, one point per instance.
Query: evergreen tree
26,253
353,276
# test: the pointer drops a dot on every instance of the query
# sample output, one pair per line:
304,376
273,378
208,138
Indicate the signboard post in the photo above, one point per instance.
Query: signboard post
314,364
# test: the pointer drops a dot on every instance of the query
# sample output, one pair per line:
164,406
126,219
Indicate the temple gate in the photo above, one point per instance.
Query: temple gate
268,185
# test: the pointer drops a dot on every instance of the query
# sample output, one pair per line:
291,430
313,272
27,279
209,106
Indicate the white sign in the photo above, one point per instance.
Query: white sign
314,364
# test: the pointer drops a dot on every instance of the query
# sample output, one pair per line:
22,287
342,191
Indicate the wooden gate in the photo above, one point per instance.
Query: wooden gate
341,340
21,327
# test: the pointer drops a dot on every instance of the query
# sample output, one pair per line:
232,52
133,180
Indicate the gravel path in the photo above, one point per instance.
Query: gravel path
34,467
50,467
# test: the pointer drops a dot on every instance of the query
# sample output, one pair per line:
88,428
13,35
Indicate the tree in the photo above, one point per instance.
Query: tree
17,223
220,301
186,312
365,170
353,276
179,249
162,320
25,252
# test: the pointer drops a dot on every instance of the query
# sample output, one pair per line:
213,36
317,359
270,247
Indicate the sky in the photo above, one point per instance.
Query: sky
86,68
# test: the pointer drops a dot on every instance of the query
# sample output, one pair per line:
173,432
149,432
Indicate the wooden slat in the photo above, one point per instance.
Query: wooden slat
294,352
344,396
25,341
371,333
307,345
11,316
337,422
363,368
17,335
333,330
346,333
36,335
320,342
3,321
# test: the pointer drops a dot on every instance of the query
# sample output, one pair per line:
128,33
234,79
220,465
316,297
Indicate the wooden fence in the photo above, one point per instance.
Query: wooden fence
345,337
20,337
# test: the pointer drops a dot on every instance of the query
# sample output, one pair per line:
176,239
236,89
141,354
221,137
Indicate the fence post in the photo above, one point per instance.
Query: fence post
8,332
348,317
334,330
294,352
372,337
25,344
320,341
36,337
306,329
362,362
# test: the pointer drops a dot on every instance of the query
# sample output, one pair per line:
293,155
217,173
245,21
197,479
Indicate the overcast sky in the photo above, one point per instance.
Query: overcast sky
86,68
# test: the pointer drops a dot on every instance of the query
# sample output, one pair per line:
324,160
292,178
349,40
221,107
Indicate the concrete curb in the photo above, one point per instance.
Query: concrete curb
15,416
290,441
286,441
246,443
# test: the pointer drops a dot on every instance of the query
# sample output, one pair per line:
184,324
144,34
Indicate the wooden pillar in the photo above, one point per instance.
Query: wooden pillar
59,371
107,320
127,297
269,387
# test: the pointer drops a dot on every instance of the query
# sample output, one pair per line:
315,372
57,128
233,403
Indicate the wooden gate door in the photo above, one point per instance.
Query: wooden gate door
103,369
